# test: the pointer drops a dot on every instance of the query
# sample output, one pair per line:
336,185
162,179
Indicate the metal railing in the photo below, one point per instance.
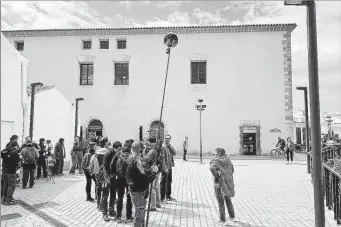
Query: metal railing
331,182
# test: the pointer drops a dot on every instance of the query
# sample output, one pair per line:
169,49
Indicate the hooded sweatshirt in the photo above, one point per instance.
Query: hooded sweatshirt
10,159
222,170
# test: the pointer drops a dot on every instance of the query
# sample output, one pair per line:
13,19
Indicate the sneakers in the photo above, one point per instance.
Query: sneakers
90,199
106,217
170,199
153,209
118,220
158,205
130,219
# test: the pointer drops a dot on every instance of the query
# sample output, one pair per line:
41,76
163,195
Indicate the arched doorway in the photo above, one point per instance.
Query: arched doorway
153,131
95,127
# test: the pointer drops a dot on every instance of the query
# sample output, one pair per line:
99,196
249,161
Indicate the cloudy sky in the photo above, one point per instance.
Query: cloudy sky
44,14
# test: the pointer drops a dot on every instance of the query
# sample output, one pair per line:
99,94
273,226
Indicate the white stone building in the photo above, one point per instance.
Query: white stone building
54,117
243,73
13,92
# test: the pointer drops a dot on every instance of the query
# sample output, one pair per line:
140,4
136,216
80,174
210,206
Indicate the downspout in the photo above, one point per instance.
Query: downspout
23,97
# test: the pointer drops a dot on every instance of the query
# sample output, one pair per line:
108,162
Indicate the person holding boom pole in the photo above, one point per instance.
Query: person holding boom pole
170,40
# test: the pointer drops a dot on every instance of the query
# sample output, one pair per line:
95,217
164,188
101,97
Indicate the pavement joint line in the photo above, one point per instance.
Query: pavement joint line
11,216
41,214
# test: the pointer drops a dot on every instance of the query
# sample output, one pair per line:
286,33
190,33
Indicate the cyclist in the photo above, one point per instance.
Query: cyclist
280,144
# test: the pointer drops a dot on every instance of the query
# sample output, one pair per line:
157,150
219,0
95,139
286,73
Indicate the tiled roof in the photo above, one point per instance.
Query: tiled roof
39,89
151,30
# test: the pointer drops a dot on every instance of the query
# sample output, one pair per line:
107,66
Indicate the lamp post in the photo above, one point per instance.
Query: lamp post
33,91
314,108
200,108
305,89
76,116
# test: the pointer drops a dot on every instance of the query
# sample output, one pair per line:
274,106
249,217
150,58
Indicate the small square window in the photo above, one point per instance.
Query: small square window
198,72
121,44
19,45
87,44
104,44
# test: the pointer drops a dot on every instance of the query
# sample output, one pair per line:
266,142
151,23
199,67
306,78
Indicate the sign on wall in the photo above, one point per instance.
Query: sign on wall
249,130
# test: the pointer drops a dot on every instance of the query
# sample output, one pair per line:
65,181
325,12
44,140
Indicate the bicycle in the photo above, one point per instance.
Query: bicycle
276,152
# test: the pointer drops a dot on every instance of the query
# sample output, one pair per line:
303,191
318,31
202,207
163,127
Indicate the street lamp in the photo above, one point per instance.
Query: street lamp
200,108
76,116
33,91
305,89
314,108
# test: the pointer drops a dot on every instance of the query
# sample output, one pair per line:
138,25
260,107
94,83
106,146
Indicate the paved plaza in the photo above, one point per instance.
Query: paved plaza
268,193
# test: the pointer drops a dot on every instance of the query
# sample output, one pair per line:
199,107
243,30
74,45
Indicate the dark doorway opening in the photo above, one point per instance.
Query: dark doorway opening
249,143
95,127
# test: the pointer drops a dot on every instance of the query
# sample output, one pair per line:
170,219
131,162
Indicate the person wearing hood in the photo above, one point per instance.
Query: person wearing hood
96,168
29,156
138,178
10,160
149,158
13,138
86,166
41,159
119,166
222,170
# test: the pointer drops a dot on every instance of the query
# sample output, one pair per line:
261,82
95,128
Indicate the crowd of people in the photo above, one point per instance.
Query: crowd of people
139,170
127,170
36,160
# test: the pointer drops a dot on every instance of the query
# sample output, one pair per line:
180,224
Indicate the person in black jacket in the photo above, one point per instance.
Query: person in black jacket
111,188
10,160
41,159
119,166
138,179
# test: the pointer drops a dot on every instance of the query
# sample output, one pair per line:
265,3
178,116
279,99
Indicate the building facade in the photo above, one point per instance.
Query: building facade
13,92
242,73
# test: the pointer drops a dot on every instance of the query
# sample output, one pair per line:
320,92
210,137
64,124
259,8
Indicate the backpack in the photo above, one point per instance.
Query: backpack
30,155
94,165
122,165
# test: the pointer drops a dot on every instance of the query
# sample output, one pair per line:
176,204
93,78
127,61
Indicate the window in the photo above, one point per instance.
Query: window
198,72
104,44
87,44
121,44
121,73
86,74
19,45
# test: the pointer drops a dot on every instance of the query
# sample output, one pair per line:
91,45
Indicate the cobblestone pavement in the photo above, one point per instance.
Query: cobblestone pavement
268,193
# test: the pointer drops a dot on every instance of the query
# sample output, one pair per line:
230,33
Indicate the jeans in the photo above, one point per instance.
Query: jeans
106,190
140,208
185,152
99,189
221,203
155,197
59,166
291,153
166,184
77,160
9,184
89,179
122,187
28,174
41,165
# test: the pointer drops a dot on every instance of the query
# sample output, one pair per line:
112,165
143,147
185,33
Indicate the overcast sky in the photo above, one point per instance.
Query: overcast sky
43,15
